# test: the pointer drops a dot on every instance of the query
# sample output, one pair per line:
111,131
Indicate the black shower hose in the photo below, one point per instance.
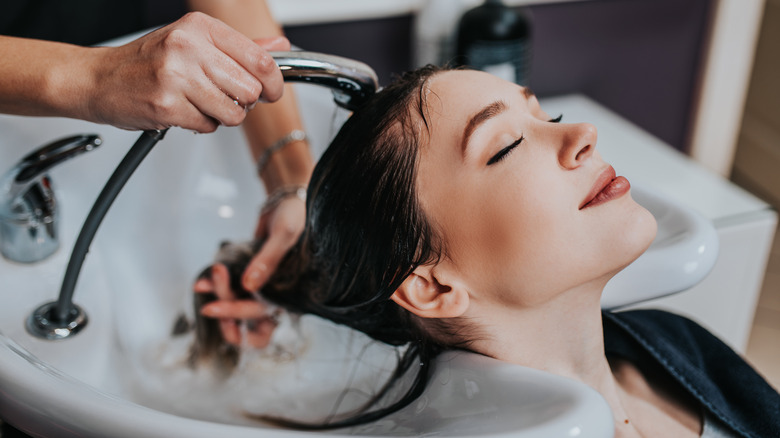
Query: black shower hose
124,170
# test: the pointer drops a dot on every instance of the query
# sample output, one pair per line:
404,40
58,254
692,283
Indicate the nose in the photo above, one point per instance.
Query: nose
578,144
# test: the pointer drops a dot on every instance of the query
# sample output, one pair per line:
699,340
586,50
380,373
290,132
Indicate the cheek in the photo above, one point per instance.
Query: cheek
524,247
514,238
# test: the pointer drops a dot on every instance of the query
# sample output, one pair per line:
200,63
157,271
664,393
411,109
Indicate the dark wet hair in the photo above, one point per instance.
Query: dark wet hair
366,232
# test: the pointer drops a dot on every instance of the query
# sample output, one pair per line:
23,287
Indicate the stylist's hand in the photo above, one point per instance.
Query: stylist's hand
280,228
195,73
231,312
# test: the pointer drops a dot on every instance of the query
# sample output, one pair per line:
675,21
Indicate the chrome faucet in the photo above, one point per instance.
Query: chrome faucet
28,207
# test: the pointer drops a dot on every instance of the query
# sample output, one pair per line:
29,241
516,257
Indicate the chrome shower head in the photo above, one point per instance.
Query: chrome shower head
352,82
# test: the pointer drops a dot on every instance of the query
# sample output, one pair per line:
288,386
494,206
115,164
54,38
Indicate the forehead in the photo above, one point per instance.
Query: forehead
470,85
453,98
460,93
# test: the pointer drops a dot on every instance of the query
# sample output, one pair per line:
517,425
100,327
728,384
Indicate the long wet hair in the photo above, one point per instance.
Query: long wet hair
365,234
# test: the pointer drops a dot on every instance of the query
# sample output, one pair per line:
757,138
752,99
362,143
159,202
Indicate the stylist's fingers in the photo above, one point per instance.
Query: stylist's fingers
273,44
221,279
232,80
213,107
230,313
230,87
239,309
225,107
281,227
273,85
251,57
237,84
228,325
203,285
265,262
257,271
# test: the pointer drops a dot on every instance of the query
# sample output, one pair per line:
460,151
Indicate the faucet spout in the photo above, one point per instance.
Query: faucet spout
28,207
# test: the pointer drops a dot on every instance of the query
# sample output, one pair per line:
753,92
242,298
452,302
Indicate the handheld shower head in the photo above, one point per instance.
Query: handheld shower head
352,82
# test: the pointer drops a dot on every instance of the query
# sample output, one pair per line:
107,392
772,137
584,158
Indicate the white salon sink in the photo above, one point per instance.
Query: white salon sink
192,192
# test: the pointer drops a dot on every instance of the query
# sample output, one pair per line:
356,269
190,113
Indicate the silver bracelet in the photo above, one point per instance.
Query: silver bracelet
282,193
294,135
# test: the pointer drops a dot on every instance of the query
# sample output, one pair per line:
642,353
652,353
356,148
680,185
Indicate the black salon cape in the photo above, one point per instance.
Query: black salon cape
707,368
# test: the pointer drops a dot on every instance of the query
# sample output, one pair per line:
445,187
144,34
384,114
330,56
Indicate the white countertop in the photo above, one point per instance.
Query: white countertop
646,160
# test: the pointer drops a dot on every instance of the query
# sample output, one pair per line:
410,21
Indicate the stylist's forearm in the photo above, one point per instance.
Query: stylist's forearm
43,78
266,123
251,17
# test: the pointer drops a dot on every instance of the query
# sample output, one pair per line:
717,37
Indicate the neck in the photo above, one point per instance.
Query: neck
563,336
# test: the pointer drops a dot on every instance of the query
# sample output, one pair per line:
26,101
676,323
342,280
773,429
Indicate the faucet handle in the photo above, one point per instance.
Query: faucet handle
28,208
35,164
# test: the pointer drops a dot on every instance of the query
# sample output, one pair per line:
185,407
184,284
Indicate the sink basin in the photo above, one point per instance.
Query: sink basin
122,376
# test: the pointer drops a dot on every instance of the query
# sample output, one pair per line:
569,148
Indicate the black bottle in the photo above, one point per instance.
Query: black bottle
495,38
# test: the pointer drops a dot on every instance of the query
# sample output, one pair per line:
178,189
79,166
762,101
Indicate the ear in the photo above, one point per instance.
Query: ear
425,296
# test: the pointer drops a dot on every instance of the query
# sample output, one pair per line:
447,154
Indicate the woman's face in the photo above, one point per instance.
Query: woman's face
526,206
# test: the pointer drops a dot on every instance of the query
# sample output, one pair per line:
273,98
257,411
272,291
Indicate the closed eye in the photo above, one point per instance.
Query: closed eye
505,151
556,120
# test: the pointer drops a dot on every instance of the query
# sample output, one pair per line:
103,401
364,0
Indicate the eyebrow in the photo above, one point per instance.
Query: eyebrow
486,113
477,119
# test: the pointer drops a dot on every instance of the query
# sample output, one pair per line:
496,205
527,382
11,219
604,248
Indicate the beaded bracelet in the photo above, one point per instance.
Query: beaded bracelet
293,136
281,194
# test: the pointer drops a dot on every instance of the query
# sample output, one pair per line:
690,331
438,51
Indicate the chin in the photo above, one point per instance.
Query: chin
641,229
631,235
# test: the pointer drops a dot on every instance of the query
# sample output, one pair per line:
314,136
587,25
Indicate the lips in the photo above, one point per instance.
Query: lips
607,187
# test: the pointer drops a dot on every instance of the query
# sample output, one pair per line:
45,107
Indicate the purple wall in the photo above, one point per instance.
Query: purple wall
384,44
638,57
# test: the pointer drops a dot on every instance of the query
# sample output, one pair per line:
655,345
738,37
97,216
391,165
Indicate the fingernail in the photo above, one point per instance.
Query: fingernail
201,282
202,285
253,280
210,310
